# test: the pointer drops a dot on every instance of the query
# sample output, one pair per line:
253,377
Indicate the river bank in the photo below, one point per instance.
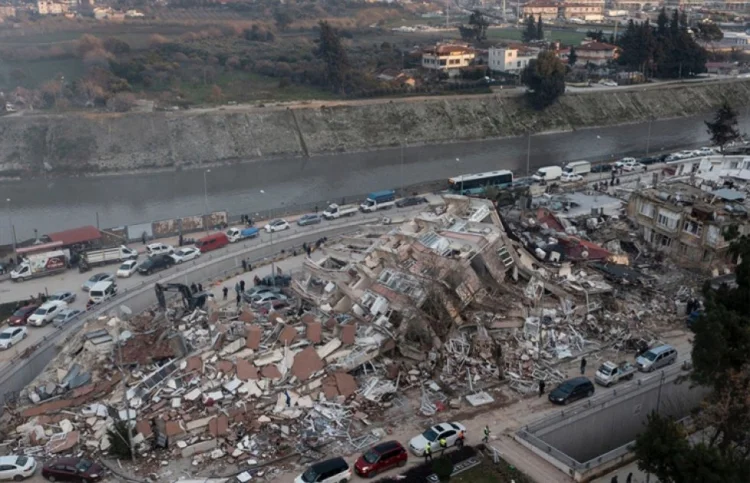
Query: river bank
89,144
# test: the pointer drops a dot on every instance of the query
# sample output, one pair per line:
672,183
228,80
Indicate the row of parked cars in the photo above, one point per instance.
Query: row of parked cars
18,468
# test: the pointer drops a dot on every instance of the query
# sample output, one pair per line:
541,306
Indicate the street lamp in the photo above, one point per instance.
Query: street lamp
528,154
10,226
402,167
648,138
205,195
462,178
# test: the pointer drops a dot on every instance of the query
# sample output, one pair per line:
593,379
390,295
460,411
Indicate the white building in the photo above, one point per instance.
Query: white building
447,57
509,60
47,7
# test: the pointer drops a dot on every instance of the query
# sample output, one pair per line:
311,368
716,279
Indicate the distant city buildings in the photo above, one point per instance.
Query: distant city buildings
591,10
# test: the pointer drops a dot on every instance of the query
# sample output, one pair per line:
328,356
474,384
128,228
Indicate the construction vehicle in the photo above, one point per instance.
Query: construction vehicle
190,300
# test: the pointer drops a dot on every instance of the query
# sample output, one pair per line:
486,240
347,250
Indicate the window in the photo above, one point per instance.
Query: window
667,219
648,235
693,228
518,64
646,209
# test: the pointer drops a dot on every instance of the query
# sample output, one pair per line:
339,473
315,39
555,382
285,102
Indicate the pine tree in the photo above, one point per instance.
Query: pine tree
723,129
540,29
572,56
332,52
529,33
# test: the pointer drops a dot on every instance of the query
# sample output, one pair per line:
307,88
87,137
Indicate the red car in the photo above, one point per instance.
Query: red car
21,316
73,469
381,457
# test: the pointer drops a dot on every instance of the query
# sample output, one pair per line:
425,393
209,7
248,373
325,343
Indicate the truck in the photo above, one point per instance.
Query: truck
335,211
41,264
235,234
610,373
379,200
108,255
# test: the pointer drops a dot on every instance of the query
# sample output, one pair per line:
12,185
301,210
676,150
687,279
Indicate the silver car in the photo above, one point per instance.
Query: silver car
68,297
96,278
310,219
65,316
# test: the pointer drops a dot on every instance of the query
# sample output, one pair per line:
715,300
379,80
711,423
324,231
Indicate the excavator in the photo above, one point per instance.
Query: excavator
190,300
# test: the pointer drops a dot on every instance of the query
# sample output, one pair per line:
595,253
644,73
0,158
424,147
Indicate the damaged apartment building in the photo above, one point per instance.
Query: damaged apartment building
688,223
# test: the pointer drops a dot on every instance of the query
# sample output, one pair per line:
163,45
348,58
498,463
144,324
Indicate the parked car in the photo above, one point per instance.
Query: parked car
155,263
21,316
274,305
276,280
631,166
248,295
334,470
624,161
16,468
72,469
570,178
65,316
432,436
159,249
309,219
276,225
46,313
127,269
67,297
705,151
185,254
264,297
648,160
381,457
601,168
411,201
572,390
94,279
656,358
12,336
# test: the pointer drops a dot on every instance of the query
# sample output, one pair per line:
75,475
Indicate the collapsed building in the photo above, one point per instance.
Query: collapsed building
461,304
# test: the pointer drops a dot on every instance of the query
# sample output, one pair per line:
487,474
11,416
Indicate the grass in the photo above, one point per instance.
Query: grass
39,71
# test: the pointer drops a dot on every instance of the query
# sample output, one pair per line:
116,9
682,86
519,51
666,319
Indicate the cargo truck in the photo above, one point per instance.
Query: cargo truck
379,200
235,234
335,211
108,255
41,264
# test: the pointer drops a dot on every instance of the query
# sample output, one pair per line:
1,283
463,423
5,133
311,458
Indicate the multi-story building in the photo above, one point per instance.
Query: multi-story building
49,7
548,10
584,11
597,53
688,223
511,60
447,57
7,11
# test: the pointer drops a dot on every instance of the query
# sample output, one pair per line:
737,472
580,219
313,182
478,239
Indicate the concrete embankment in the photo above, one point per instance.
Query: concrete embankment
90,143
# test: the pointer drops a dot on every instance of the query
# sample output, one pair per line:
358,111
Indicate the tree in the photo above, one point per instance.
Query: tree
283,19
723,129
479,25
596,35
572,56
545,79
540,29
119,440
708,31
529,32
332,52
116,46
216,95
88,43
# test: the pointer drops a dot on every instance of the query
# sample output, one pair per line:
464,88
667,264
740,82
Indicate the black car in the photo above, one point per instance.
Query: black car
601,168
572,390
411,201
650,160
155,263
276,281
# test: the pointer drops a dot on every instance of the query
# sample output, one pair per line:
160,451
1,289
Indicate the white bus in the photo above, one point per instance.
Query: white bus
475,184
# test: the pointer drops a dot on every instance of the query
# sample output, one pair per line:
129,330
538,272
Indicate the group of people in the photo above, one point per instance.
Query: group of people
444,445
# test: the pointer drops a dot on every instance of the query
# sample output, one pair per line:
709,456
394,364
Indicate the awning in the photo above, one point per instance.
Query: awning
76,235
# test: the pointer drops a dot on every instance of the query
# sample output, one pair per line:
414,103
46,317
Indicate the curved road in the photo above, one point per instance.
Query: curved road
59,204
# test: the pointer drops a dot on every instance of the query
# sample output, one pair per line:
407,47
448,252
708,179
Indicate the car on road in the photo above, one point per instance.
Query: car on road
12,336
127,268
619,164
649,160
381,457
21,316
16,468
447,431
65,316
570,178
185,254
67,297
72,469
46,312
633,165
155,263
275,306
158,249
94,279
249,295
282,280
601,168
608,83
410,201
656,357
572,390
309,219
278,224
705,151
264,297
334,470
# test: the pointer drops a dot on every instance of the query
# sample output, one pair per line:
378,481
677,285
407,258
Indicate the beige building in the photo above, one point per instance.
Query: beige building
688,223
597,53
547,10
583,11
48,7
447,57
7,11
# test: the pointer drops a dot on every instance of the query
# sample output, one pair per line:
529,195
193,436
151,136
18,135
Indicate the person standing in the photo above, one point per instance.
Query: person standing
239,300
486,438
427,452
541,387
614,479
629,479
200,287
237,288
242,286
583,365
226,291
443,445
244,265
461,439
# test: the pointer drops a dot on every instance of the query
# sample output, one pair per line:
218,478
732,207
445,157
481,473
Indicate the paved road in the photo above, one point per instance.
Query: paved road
58,204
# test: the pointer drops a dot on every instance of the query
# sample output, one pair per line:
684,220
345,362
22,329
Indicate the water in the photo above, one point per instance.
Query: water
57,204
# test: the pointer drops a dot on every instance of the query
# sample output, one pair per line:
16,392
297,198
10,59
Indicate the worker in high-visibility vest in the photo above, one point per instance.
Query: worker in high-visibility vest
428,452
443,444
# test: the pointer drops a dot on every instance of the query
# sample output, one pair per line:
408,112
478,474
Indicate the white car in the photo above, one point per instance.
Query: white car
621,163
570,178
185,254
47,312
127,269
276,225
432,436
705,151
608,83
264,297
16,468
12,336
159,248
632,166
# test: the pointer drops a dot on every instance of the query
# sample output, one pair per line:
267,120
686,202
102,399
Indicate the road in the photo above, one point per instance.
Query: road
59,204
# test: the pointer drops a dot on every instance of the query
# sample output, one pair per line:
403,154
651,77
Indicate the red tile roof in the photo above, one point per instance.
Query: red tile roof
596,46
76,235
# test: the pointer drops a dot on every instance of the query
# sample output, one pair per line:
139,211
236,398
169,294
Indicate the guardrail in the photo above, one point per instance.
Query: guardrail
23,368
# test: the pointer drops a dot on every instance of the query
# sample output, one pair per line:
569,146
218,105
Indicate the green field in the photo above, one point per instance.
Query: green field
38,72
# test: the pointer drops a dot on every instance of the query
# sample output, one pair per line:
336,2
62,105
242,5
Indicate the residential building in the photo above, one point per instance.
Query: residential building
597,53
447,57
511,60
49,7
583,11
7,11
547,9
688,223
732,41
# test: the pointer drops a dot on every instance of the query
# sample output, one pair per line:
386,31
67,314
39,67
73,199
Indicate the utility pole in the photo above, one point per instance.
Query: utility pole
10,225
205,196
403,184
528,154
125,400
648,138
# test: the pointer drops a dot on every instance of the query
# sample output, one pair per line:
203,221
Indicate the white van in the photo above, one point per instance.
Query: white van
578,167
547,173
102,291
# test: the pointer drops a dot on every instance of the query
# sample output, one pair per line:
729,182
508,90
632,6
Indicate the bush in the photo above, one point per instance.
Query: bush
119,438
443,468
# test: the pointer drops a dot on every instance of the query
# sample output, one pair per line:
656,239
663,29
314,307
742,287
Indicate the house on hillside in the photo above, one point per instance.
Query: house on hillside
597,53
447,57
510,60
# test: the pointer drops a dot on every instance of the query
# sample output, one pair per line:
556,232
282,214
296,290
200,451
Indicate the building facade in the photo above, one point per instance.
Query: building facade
592,12
596,53
509,60
447,57
47,7
547,10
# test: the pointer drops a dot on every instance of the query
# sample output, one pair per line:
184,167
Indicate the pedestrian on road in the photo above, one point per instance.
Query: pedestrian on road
193,288
316,209
244,265
614,479
200,287
242,285
226,291
541,387
583,365
143,238
443,445
309,250
427,452
249,266
629,479
461,439
239,300
486,438
237,288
